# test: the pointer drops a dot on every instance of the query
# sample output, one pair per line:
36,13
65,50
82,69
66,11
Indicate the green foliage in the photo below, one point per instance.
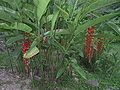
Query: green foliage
77,68
41,7
57,31
95,21
12,40
16,26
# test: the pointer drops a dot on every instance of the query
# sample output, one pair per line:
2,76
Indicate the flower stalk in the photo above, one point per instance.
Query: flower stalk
89,43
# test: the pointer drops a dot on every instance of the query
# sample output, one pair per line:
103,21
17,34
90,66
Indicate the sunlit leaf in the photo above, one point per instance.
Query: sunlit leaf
31,52
41,7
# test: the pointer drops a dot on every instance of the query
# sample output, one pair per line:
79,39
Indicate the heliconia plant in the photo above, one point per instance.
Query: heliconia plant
56,30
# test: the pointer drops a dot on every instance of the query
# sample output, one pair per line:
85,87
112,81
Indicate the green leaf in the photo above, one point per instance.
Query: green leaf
58,45
16,26
4,26
94,6
60,72
41,7
28,22
22,27
54,20
81,53
31,52
13,3
8,14
94,22
48,33
36,2
34,43
115,27
99,4
78,69
11,40
63,11
62,32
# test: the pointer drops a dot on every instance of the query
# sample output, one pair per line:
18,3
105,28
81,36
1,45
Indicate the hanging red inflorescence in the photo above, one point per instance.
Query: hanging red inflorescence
25,47
99,45
89,43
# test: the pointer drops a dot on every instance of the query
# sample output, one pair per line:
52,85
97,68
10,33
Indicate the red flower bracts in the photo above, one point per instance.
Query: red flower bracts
89,43
25,47
99,45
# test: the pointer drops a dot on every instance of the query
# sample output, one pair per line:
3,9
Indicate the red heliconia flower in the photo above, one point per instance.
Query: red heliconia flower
99,45
90,31
25,47
89,43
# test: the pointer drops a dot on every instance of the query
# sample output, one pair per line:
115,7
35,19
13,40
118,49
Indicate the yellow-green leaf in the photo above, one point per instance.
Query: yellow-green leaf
31,52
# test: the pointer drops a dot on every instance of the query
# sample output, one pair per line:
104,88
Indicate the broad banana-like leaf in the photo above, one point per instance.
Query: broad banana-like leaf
41,7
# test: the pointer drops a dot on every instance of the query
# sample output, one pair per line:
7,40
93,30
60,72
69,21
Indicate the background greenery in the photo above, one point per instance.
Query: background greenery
57,31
